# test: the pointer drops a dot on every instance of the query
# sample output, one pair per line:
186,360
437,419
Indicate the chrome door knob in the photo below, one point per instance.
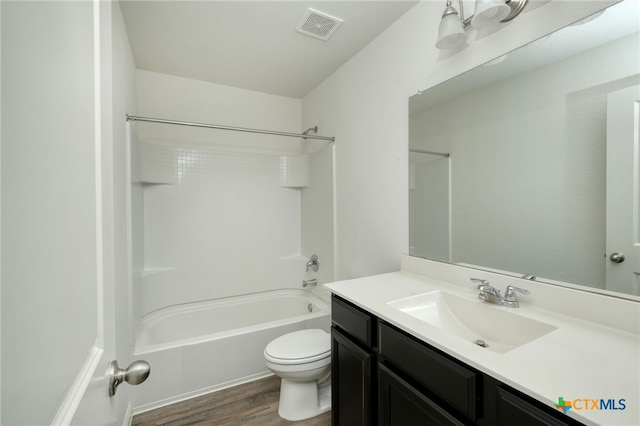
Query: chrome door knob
134,374
616,257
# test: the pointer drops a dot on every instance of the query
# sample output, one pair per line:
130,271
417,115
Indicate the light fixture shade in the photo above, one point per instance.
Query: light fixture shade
489,12
451,32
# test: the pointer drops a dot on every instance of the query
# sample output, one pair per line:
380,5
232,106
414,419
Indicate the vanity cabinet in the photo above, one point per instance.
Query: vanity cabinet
383,375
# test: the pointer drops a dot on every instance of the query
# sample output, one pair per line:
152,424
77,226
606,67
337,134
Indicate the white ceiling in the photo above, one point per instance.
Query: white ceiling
251,44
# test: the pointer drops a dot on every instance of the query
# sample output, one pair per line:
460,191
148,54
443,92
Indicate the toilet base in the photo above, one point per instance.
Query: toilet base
303,400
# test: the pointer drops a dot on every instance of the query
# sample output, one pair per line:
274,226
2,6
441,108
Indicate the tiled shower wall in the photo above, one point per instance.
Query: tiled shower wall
217,224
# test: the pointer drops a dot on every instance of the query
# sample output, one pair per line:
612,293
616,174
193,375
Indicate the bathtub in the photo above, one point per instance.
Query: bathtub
201,347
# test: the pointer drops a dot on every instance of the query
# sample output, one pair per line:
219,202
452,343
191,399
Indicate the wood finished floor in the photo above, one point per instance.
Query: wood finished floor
254,403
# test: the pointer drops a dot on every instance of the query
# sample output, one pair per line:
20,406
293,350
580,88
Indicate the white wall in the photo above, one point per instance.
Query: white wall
317,217
365,105
49,269
177,98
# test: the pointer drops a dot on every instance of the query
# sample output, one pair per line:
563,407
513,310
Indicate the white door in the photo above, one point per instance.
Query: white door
58,325
623,191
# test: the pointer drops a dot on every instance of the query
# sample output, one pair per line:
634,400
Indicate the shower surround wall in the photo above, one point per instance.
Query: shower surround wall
218,213
216,224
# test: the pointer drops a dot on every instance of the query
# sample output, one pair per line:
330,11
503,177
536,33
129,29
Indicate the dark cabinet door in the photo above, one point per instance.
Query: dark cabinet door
450,380
513,410
352,382
401,404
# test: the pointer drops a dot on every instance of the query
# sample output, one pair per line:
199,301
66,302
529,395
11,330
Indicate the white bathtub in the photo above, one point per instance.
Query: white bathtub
201,347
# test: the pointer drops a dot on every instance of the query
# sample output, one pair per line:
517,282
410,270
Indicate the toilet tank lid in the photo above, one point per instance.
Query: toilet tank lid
300,344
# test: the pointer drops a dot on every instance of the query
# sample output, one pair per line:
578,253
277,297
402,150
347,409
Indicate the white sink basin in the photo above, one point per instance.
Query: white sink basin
475,321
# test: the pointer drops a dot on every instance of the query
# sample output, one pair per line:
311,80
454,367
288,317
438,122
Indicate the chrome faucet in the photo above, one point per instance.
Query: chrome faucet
490,294
313,263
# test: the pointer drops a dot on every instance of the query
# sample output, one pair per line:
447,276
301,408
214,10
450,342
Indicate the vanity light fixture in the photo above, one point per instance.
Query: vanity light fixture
451,32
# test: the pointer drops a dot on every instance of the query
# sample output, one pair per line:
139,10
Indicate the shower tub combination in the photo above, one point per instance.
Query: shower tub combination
202,347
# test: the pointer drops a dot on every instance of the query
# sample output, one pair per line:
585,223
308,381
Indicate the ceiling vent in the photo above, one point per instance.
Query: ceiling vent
318,24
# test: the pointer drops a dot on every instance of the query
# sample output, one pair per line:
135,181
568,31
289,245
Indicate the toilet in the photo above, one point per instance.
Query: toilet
302,359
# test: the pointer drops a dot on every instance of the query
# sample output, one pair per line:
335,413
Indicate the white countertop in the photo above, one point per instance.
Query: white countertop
579,360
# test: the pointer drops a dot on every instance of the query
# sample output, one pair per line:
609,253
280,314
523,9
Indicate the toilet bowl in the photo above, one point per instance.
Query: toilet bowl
302,359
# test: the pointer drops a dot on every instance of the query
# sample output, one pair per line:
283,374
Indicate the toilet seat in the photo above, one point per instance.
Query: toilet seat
299,347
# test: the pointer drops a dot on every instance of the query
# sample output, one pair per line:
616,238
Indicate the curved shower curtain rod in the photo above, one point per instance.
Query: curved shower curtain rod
237,129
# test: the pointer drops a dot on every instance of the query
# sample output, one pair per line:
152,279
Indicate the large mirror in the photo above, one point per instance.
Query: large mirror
528,165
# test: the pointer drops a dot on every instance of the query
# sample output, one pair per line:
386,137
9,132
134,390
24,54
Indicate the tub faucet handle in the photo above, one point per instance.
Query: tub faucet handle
313,263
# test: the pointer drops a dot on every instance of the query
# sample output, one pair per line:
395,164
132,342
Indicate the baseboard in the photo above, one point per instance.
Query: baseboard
76,391
183,397
128,416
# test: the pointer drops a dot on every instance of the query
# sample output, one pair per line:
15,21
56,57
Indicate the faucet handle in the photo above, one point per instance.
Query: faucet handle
510,298
511,292
481,282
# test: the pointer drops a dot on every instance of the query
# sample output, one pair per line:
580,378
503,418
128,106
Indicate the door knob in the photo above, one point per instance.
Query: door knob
616,257
134,374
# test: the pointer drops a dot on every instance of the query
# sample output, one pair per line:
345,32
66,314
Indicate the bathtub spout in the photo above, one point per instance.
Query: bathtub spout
306,283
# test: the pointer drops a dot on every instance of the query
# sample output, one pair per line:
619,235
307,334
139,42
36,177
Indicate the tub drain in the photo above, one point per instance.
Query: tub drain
481,343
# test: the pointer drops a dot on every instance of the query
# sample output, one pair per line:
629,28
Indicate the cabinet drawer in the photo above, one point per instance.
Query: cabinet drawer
445,378
353,320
